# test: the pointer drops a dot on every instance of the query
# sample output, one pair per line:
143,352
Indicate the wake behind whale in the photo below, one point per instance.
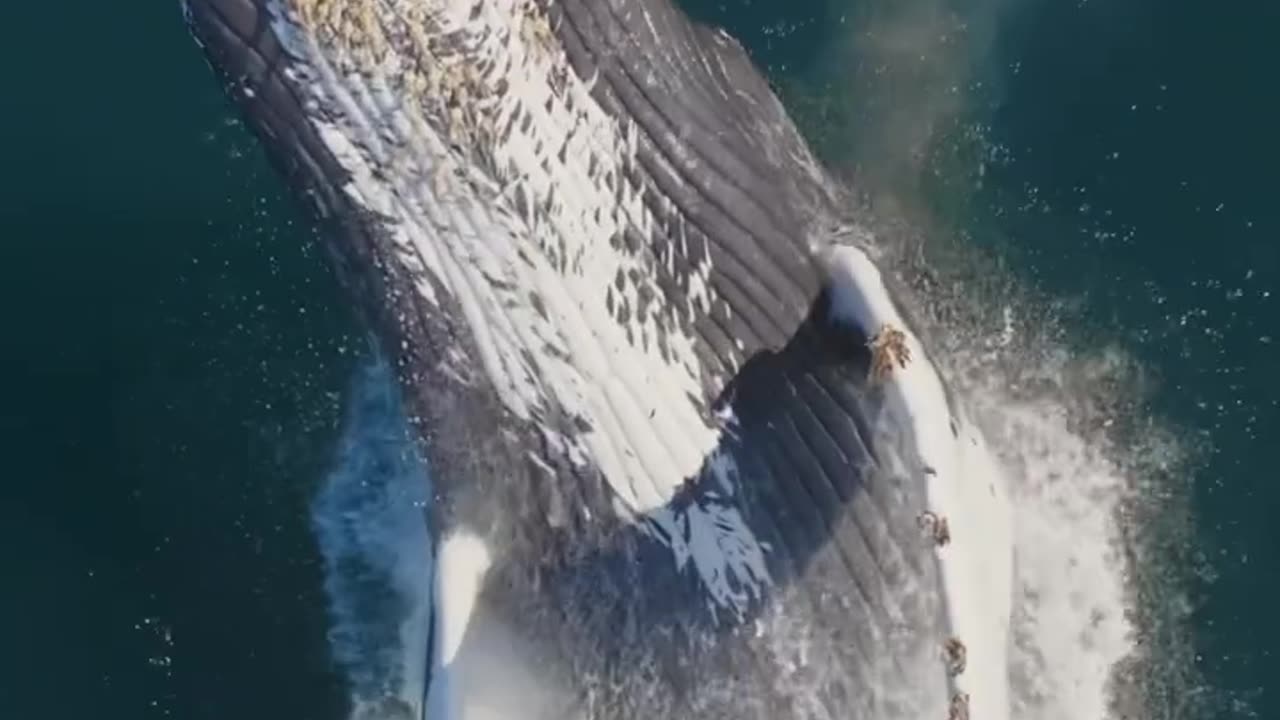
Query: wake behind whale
368,520
682,440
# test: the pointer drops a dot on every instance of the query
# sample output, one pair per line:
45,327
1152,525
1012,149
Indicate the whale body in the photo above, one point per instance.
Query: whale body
631,317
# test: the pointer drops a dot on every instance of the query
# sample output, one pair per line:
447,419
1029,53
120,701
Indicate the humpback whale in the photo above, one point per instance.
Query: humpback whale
689,459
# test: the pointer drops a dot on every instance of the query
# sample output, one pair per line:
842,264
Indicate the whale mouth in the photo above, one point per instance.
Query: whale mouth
661,387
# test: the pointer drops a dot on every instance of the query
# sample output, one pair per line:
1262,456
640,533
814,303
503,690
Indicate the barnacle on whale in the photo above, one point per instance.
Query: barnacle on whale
955,654
937,526
888,348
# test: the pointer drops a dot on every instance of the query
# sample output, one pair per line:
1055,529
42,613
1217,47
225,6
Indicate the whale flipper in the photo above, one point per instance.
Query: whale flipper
598,252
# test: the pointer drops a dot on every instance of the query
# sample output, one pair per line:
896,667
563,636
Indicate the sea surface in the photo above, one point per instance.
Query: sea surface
196,442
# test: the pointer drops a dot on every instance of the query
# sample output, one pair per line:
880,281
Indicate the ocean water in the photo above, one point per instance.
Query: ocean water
1075,193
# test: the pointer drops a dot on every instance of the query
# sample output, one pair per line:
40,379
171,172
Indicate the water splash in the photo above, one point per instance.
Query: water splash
1098,487
1070,625
370,523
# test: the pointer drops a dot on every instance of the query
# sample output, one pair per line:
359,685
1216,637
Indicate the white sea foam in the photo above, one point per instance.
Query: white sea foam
1071,625
1070,628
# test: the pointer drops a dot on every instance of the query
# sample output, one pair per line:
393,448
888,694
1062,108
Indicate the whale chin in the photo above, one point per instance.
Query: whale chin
681,436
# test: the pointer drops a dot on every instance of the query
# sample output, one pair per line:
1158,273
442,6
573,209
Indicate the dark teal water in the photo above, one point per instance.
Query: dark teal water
172,343
176,347
1153,157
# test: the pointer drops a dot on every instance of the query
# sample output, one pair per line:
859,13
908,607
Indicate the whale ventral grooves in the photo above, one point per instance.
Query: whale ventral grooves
590,239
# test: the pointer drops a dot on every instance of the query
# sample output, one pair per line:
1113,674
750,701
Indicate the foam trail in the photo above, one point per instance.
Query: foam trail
369,522
1070,624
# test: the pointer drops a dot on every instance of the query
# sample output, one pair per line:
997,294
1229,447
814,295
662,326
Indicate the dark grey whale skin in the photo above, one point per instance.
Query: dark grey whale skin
610,616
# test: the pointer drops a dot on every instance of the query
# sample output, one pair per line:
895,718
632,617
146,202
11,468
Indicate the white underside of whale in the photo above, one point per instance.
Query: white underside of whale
462,226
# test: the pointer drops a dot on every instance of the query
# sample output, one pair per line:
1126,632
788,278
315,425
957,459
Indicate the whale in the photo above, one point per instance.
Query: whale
689,455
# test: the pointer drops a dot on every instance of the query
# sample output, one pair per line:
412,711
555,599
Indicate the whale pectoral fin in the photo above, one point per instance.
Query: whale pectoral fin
793,525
